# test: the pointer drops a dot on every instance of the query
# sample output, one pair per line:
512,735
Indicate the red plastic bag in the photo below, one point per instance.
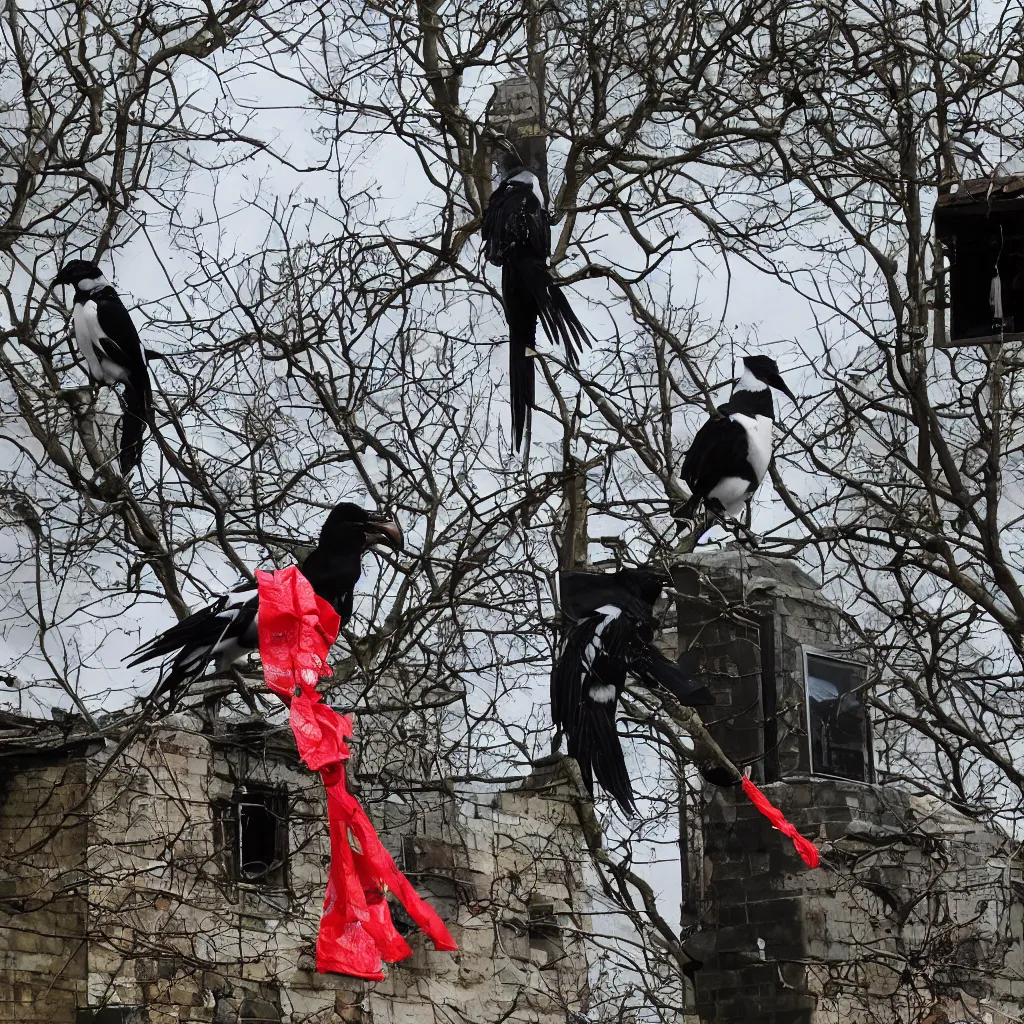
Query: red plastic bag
296,630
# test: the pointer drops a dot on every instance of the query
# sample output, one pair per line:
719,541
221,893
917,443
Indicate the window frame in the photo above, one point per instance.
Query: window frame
816,652
227,824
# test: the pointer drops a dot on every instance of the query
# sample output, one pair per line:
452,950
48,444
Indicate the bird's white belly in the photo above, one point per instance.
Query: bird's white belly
732,492
593,648
90,338
227,652
759,441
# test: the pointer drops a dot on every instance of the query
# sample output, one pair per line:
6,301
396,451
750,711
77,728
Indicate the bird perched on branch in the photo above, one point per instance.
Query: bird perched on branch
730,453
226,630
517,238
108,341
609,634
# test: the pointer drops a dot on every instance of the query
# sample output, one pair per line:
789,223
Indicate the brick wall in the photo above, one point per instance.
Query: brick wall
915,915
115,895
43,894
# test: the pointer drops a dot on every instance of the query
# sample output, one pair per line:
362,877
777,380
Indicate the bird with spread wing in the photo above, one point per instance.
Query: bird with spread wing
608,634
226,630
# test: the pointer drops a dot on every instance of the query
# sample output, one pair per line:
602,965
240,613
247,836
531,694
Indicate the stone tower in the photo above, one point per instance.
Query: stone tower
913,915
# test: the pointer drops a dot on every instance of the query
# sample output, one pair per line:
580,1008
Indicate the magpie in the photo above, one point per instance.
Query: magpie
729,455
517,237
609,634
110,344
227,629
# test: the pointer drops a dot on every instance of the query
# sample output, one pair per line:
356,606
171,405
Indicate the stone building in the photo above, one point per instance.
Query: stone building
182,880
176,874
915,915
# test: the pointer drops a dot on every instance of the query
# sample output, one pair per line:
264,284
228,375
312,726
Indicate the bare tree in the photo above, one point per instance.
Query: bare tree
294,194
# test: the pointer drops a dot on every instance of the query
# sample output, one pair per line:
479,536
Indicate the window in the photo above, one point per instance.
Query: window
981,225
263,1007
839,728
546,943
251,835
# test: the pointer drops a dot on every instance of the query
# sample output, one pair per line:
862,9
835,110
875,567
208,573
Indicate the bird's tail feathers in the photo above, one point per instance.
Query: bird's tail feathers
138,414
654,669
560,323
521,315
522,389
172,684
595,745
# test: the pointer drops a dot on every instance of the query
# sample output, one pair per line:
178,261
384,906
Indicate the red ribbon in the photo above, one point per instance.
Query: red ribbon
807,850
296,630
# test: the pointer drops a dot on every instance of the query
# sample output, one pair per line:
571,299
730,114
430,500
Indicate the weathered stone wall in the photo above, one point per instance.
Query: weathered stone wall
137,911
914,915
913,910
43,894
506,869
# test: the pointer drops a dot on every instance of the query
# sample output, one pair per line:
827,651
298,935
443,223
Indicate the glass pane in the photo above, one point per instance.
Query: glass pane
838,719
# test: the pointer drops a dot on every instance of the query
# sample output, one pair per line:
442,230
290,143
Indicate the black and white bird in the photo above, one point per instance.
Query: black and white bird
226,630
517,237
730,453
608,633
110,344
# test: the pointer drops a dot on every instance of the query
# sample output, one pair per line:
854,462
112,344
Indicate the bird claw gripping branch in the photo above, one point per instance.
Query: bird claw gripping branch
296,630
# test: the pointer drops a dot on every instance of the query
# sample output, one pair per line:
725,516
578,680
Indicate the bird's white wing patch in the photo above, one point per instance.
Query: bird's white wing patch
89,336
609,613
234,643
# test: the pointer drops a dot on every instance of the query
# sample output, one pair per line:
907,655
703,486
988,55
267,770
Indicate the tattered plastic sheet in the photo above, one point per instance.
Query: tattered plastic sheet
296,630
807,850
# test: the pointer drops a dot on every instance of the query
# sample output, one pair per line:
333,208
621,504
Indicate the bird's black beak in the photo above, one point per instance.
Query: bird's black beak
383,530
61,279
780,385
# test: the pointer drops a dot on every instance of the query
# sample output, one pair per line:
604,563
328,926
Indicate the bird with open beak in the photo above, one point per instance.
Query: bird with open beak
730,454
226,630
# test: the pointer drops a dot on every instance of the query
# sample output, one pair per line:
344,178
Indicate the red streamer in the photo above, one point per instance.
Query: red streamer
296,630
807,850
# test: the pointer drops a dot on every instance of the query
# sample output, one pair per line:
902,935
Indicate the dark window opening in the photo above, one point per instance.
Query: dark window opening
981,227
545,932
837,718
251,833
249,1008
404,924
259,1011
